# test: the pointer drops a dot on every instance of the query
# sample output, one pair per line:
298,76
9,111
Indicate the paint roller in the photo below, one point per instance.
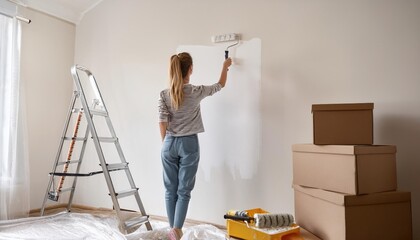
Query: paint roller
262,220
227,49
227,38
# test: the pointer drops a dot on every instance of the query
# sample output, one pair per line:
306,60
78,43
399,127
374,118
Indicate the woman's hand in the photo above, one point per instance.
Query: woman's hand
227,63
223,75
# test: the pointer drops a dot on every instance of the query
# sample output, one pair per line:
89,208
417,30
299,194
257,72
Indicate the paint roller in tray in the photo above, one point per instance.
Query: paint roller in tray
230,37
262,220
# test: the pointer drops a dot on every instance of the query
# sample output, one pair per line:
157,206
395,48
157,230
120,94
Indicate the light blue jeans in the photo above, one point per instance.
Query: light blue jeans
180,157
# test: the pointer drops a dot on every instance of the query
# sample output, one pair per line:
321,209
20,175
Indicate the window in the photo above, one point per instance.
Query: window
13,162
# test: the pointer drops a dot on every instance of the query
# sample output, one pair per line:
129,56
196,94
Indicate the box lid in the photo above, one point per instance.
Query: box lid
355,200
344,149
342,106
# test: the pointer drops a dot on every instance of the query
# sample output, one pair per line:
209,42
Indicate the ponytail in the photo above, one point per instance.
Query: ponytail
178,70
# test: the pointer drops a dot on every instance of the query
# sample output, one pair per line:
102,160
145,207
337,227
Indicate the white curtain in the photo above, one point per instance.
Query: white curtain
14,172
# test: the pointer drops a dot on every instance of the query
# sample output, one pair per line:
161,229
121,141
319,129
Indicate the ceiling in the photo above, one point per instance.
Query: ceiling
69,10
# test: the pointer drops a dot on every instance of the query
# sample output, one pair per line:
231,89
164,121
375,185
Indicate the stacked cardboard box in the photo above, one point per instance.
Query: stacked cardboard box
345,187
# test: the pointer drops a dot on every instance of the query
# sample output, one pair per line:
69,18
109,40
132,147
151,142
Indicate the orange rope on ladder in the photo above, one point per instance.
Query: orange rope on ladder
69,154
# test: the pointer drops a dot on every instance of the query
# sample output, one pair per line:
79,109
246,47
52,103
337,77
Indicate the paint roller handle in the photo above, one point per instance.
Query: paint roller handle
226,54
240,218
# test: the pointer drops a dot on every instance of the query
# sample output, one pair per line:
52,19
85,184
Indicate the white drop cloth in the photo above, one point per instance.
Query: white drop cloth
78,226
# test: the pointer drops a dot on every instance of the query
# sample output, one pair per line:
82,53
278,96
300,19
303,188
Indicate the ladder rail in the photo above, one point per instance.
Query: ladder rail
58,154
128,173
120,153
123,159
94,132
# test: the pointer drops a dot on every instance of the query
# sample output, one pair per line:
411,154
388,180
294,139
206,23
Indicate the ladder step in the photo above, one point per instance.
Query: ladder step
126,193
99,112
75,138
117,166
136,221
107,139
66,189
68,162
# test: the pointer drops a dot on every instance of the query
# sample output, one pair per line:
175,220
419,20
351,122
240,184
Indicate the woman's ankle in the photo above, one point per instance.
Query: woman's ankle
175,234
178,231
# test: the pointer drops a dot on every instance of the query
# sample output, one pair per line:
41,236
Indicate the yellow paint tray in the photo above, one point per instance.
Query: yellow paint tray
242,230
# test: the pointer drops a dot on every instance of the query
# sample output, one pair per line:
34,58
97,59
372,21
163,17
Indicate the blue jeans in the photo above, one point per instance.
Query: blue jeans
180,157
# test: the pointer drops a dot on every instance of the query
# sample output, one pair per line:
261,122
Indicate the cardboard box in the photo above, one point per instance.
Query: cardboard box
350,123
336,216
351,169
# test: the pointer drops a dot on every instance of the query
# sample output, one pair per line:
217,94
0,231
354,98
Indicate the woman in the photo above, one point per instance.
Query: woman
179,122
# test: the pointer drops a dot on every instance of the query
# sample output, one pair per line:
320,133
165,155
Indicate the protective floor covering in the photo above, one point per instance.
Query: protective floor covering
78,226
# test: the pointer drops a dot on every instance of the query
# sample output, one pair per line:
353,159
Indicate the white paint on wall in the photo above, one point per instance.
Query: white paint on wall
231,117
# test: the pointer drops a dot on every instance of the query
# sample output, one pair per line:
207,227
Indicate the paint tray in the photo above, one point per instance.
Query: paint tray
242,230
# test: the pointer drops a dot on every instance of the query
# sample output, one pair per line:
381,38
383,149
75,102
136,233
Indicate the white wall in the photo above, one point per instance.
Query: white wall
312,52
47,53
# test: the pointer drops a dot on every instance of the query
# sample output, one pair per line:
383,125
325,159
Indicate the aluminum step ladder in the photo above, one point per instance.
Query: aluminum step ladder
87,89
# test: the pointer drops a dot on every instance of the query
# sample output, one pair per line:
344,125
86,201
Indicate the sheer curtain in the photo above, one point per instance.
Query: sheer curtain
14,172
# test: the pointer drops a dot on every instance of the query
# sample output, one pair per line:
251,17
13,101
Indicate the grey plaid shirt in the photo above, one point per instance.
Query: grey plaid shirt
187,119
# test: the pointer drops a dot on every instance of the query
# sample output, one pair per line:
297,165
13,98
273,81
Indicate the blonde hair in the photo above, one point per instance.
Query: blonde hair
178,69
